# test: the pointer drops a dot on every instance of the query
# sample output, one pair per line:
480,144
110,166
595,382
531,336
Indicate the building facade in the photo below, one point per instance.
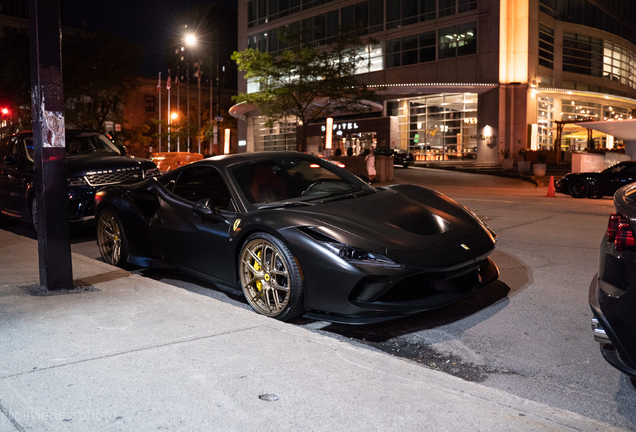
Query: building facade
464,79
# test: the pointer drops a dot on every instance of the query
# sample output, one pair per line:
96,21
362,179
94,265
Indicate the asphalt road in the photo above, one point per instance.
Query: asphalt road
528,333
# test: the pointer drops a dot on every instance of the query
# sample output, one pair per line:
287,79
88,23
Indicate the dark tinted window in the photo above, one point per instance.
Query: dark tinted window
199,183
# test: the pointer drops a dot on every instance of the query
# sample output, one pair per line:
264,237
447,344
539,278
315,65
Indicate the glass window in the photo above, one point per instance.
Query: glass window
199,183
361,11
466,39
376,16
150,104
346,16
546,46
332,23
393,13
428,9
409,12
466,5
448,42
446,7
427,47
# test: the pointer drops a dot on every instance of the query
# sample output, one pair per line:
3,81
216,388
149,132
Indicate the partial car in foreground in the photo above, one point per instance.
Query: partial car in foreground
296,234
612,293
92,161
597,184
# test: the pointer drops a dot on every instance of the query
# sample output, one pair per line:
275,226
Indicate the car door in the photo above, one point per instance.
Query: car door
192,240
16,171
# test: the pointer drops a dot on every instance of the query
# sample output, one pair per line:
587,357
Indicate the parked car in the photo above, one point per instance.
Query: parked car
403,157
296,234
612,292
92,161
167,161
400,156
597,184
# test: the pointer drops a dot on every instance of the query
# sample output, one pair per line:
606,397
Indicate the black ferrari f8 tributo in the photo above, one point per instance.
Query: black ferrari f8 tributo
296,234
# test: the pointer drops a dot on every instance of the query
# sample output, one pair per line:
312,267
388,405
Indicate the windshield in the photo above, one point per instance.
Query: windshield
299,180
90,142
81,143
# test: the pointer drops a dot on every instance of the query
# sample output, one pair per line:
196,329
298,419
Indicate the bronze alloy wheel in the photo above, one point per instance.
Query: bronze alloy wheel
110,238
270,278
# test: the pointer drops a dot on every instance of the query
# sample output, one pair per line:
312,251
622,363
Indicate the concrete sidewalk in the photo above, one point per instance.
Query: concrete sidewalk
140,355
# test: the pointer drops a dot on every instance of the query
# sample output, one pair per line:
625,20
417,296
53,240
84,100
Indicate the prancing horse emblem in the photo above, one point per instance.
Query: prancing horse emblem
465,247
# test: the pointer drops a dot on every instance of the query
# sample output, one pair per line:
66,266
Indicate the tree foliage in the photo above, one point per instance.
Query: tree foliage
304,81
99,75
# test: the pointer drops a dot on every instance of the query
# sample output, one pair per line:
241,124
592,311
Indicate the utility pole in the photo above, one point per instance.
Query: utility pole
49,149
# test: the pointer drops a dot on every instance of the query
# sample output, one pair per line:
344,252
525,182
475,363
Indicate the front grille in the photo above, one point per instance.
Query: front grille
109,177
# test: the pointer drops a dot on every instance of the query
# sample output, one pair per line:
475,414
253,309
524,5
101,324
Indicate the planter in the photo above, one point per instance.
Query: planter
524,167
506,164
539,170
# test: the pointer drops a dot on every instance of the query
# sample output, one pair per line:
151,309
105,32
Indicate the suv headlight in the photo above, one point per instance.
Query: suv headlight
359,256
152,172
76,181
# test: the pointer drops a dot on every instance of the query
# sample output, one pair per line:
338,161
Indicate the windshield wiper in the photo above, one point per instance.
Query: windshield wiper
285,205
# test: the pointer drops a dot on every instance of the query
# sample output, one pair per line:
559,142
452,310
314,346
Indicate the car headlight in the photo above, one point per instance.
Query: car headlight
359,256
152,172
76,181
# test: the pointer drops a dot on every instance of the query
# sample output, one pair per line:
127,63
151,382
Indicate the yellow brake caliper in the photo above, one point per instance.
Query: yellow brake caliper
257,267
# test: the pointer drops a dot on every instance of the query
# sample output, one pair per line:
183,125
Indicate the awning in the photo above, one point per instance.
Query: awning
621,129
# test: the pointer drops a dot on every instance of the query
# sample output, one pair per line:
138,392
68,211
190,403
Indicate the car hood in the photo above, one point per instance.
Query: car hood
400,218
87,163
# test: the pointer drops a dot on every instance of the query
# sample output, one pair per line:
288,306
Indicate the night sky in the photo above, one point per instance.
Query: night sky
147,23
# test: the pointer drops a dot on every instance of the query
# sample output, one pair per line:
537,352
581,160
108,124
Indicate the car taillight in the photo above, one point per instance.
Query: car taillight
612,226
624,237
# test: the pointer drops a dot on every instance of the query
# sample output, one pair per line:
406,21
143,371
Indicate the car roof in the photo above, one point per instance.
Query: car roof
225,161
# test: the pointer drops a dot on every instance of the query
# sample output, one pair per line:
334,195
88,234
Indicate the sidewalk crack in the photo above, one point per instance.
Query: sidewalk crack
128,352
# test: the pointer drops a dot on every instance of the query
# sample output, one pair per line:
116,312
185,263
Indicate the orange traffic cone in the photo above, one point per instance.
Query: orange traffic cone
551,188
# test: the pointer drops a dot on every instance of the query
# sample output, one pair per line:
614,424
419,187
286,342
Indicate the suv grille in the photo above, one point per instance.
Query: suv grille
108,177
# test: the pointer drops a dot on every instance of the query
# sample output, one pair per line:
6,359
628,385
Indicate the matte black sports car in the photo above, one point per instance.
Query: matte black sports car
297,234
612,293
597,184
92,161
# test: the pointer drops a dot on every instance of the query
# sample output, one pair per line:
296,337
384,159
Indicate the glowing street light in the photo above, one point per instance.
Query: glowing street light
190,39
174,116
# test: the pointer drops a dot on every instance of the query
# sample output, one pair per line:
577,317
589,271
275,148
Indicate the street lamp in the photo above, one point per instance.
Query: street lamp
173,117
190,40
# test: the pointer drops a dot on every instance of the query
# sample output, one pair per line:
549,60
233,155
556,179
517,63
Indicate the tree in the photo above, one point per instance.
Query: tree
306,82
99,74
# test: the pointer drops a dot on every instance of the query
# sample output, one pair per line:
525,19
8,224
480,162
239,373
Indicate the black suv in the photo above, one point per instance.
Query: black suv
92,161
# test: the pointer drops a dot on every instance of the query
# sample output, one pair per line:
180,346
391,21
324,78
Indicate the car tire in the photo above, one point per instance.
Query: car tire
270,277
579,188
112,240
405,165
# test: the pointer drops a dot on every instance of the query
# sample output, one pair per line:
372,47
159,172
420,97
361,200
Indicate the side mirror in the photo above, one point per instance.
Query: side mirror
11,159
203,207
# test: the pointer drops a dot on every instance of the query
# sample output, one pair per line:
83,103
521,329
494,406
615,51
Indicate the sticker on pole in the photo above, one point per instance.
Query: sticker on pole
53,135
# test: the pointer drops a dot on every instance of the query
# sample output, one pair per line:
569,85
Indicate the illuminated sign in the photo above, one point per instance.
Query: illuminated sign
341,126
